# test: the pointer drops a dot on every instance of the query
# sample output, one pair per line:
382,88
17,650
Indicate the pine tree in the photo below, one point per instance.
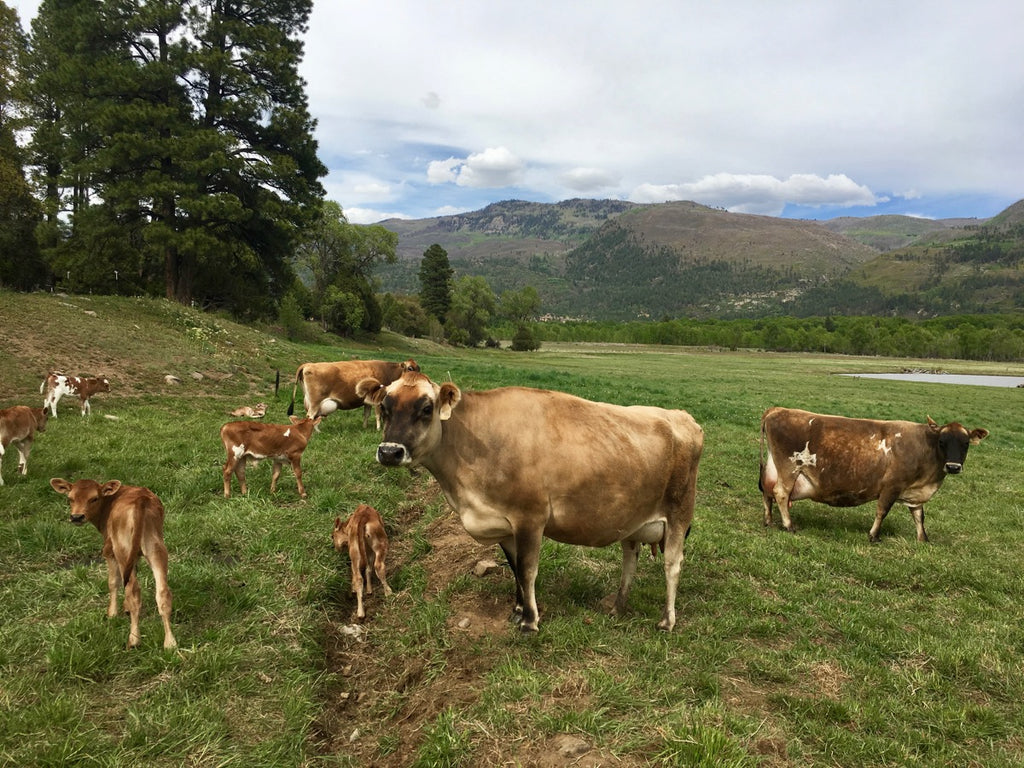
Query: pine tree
436,282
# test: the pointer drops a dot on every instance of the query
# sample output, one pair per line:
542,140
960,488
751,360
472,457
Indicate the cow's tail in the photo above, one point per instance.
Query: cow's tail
295,386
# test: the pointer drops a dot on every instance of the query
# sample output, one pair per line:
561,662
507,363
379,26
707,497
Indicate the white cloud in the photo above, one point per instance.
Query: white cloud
495,167
371,216
760,193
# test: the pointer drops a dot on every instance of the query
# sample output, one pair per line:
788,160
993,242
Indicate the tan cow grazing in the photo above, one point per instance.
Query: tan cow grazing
519,464
57,385
364,537
329,387
844,462
253,441
131,521
18,427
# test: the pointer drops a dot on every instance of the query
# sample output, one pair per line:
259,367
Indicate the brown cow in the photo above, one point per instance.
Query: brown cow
253,441
845,462
57,385
328,387
18,427
519,464
131,521
364,537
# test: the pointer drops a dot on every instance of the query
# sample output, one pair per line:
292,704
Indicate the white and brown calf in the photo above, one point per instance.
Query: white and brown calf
253,441
56,385
131,520
364,537
18,427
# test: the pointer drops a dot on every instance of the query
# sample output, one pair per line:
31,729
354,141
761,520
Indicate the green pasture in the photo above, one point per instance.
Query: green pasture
807,649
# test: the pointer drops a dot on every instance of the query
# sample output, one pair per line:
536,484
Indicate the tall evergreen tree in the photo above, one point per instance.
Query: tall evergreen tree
436,282
20,266
175,139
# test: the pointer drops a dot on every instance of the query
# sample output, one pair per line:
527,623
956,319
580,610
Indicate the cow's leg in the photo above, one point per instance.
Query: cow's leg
113,582
366,415
133,605
357,586
297,469
509,548
885,502
767,498
51,403
157,557
785,505
630,555
240,474
23,451
918,513
274,474
229,468
1,463
527,547
86,408
379,556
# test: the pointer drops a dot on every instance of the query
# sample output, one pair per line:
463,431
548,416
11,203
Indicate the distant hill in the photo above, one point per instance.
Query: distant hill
615,260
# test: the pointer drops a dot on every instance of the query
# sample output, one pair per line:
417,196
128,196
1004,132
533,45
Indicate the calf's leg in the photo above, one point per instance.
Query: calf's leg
157,557
297,469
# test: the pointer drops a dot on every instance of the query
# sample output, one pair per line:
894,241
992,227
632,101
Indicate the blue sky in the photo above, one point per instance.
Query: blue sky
797,108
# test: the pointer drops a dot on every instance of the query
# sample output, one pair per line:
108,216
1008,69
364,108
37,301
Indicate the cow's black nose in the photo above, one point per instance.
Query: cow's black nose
953,468
78,519
391,454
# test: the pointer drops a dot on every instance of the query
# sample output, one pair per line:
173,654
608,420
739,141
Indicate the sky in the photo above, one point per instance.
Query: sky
793,108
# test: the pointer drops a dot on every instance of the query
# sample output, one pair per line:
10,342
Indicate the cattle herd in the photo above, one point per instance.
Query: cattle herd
585,472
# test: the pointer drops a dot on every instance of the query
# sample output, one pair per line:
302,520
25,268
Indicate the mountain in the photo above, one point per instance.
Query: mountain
615,260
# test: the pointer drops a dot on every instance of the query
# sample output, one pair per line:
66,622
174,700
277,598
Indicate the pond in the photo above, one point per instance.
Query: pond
945,378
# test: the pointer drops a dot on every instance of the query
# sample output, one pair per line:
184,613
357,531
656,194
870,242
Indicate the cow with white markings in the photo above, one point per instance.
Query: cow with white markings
56,385
519,464
330,387
253,441
846,462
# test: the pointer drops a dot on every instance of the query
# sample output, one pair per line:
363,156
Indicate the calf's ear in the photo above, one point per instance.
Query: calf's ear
977,435
447,398
60,485
110,487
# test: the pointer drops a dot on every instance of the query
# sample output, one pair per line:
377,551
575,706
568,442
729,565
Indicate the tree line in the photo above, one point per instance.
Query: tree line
166,147
968,337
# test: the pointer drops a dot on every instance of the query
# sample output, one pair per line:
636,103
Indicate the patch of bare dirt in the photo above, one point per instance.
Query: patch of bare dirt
385,698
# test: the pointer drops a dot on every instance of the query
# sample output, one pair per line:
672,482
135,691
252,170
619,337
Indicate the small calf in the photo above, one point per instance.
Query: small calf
252,441
18,427
363,533
131,521
57,385
257,411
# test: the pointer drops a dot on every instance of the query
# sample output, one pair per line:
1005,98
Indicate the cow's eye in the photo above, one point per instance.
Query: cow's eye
428,410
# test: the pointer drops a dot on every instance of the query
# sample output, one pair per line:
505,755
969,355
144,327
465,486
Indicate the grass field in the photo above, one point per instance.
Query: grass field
806,649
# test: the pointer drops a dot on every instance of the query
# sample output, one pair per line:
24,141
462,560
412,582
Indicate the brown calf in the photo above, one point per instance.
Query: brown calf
252,441
330,387
131,521
57,385
18,427
363,533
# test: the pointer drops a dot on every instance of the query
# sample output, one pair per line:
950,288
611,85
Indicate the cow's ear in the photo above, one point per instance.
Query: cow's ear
110,487
447,398
931,423
371,390
977,435
337,523
60,485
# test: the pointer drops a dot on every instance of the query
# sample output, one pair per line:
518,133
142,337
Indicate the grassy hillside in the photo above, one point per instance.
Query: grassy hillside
806,649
